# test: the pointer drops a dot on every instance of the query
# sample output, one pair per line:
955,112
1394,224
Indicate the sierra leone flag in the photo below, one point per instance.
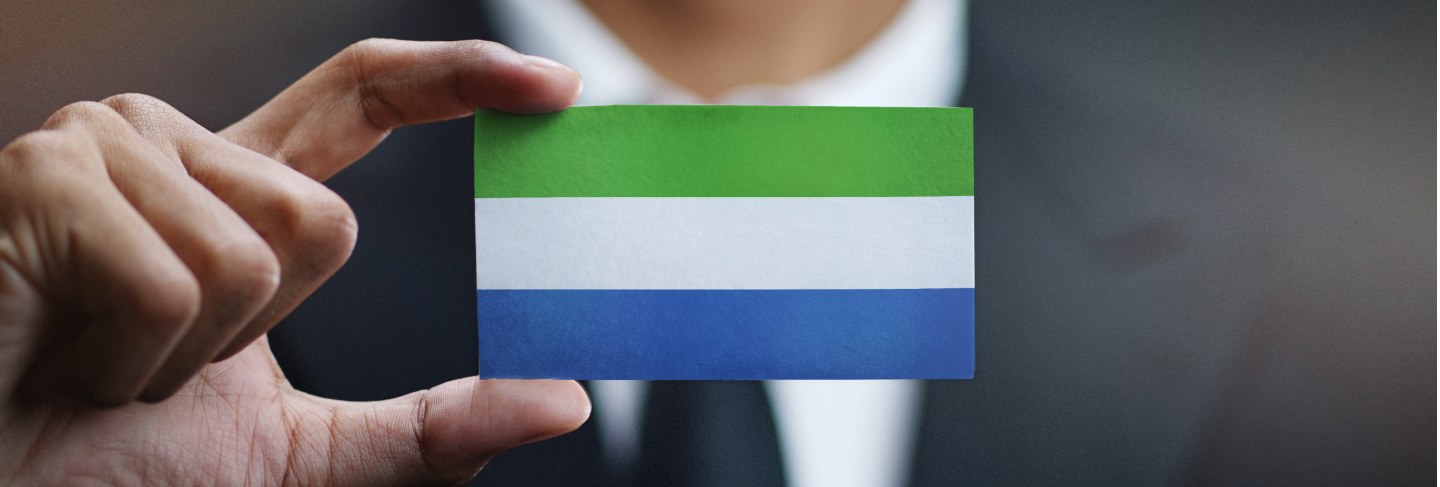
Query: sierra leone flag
725,242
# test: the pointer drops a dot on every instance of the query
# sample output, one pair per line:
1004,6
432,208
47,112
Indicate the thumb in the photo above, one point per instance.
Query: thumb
439,436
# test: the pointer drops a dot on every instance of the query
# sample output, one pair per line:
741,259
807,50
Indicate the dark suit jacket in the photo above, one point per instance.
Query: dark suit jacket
1182,278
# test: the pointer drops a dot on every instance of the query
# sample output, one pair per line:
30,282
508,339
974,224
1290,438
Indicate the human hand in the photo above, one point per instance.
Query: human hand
144,257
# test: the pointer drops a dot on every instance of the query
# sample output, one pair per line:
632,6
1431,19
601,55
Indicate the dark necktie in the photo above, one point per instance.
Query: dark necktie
708,434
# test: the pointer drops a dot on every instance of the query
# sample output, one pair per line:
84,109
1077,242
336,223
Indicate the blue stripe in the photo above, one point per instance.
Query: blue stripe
728,334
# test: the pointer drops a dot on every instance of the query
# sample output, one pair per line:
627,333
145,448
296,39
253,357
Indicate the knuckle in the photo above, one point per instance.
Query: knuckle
48,148
478,48
368,43
373,45
81,112
320,226
130,102
357,62
50,170
145,112
245,271
169,303
44,144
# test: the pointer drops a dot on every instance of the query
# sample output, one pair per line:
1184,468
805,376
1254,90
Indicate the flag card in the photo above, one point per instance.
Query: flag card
725,242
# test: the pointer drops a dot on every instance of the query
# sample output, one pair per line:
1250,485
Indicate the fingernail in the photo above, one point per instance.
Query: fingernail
547,63
553,66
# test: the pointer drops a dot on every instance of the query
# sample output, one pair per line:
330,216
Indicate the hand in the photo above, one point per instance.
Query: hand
144,257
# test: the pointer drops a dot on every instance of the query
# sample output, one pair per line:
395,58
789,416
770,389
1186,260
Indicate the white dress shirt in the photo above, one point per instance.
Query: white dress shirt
832,433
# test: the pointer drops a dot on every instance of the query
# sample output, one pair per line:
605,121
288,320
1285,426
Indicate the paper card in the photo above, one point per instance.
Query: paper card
725,242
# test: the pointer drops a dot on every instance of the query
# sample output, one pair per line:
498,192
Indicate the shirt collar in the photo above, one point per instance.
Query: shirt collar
915,61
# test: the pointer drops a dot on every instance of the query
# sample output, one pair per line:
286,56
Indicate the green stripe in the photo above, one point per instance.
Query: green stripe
725,151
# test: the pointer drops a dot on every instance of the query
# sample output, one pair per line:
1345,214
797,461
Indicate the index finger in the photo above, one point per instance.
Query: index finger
342,109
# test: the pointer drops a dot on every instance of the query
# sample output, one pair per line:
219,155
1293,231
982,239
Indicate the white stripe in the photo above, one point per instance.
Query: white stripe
725,243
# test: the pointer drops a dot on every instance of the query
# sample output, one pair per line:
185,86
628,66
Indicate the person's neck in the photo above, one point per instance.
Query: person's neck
710,47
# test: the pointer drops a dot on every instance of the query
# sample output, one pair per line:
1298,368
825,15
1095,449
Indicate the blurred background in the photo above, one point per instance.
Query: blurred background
1271,318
